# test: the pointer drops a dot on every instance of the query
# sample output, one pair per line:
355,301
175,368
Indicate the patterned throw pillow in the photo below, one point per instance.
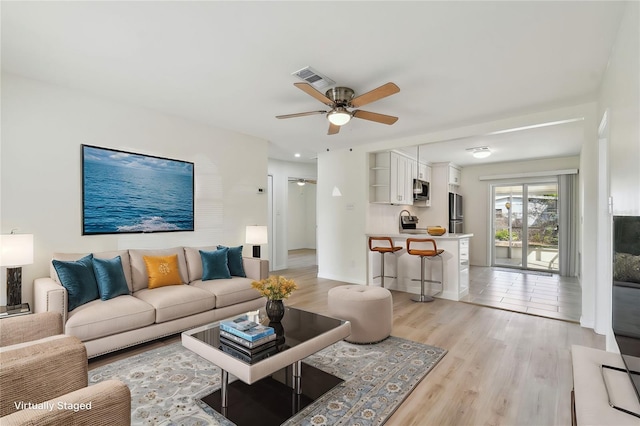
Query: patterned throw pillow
162,270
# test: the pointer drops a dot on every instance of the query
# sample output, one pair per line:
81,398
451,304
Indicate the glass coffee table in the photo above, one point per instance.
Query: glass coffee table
270,386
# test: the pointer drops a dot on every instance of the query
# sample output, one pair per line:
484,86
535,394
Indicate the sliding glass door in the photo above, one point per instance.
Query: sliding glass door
525,226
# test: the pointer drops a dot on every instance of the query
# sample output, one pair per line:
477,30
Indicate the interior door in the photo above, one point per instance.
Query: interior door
525,226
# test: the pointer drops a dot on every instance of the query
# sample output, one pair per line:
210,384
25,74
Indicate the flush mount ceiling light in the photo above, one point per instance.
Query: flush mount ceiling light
480,151
339,116
300,182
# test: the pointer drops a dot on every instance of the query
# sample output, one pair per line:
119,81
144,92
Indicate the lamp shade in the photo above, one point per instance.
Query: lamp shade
16,249
256,234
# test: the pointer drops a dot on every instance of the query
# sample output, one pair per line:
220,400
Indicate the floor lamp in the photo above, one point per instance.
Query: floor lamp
16,250
256,235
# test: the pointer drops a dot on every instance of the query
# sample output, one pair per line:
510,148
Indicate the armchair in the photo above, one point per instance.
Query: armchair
44,378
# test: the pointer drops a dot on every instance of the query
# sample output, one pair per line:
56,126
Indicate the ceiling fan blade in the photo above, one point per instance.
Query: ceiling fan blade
301,114
374,116
310,90
333,129
374,95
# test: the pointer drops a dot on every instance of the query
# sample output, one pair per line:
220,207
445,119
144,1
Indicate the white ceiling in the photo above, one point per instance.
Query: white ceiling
229,64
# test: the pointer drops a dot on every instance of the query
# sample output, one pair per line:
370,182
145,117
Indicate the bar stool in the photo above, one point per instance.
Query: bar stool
425,254
382,250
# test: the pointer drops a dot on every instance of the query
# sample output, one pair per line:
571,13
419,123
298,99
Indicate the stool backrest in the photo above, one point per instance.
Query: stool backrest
386,239
421,240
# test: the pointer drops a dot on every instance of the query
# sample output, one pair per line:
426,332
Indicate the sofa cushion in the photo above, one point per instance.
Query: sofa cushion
230,291
110,277
194,261
234,261
78,278
124,258
139,276
101,318
214,264
162,270
177,301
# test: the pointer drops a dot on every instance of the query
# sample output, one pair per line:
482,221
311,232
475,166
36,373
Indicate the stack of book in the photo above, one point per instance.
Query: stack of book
247,340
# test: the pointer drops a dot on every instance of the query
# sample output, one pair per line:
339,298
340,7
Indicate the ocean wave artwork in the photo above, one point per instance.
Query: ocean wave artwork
131,193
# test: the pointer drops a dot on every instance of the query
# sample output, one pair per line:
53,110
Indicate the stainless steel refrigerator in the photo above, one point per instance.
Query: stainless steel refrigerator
456,218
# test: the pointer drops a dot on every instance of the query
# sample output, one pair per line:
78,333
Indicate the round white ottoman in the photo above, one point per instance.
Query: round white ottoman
369,309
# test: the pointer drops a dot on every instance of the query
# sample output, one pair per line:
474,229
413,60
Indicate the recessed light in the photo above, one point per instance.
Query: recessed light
297,155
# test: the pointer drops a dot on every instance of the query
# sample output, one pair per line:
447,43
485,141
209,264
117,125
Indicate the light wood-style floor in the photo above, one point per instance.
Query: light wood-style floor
301,258
502,368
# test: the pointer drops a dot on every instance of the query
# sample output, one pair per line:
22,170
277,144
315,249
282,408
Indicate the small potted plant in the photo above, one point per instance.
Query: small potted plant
275,289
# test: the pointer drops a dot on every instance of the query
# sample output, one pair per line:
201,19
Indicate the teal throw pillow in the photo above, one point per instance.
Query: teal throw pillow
110,277
78,278
234,261
214,264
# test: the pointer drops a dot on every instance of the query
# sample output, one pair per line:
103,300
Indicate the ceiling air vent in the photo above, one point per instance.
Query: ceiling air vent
314,78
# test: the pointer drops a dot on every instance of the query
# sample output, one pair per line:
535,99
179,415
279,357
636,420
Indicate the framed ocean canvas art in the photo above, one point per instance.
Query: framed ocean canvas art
123,192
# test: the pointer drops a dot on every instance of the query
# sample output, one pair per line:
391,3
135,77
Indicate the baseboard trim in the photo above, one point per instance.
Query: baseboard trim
342,279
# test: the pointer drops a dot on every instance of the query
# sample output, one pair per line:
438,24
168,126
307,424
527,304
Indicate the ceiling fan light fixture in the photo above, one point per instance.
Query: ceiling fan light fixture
339,116
480,151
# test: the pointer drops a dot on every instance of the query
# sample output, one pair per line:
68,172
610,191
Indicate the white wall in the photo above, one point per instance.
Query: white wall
43,127
301,229
341,220
620,95
281,172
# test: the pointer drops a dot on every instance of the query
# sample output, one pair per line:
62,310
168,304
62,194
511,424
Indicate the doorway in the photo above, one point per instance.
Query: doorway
301,223
525,226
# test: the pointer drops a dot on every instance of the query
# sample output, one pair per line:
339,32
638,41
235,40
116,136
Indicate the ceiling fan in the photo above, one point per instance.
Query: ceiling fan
340,99
302,182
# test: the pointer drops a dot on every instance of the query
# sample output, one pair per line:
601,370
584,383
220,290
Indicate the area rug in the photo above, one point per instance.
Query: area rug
167,383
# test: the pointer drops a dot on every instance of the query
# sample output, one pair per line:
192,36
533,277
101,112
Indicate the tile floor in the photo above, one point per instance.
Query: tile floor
535,293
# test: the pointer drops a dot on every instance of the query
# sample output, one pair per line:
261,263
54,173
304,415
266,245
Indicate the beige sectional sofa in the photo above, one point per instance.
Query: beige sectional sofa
147,314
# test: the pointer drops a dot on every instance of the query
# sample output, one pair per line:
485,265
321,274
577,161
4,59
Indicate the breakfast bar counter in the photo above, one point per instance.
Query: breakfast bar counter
406,269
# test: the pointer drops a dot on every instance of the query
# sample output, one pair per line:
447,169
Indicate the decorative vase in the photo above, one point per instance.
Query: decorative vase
275,310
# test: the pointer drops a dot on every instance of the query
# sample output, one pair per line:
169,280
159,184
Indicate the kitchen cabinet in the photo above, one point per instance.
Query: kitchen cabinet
424,172
454,175
421,171
401,180
390,180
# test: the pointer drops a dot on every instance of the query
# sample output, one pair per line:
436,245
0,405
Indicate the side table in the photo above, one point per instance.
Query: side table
10,311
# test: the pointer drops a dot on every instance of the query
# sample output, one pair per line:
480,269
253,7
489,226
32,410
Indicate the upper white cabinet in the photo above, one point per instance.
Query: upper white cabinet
390,179
424,172
401,181
454,175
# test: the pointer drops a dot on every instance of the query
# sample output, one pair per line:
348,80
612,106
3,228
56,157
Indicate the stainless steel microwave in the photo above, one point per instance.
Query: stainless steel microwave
423,187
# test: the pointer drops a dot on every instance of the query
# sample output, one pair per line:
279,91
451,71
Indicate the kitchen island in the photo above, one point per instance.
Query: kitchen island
455,261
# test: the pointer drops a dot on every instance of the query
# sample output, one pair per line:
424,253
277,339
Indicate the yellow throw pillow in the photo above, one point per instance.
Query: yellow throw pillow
162,270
